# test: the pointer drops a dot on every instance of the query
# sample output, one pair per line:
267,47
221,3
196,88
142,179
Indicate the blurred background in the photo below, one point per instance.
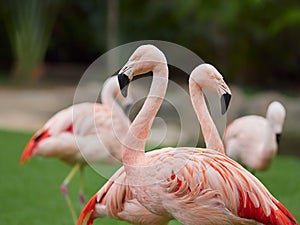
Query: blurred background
45,47
254,42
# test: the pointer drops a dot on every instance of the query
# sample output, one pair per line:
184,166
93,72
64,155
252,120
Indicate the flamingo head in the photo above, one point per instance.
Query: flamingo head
207,76
32,145
276,116
111,92
145,58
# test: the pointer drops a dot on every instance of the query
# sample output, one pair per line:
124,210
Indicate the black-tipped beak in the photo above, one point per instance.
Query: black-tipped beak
123,83
278,137
225,99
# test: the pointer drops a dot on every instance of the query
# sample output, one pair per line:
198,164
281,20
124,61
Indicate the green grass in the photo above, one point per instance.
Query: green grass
30,193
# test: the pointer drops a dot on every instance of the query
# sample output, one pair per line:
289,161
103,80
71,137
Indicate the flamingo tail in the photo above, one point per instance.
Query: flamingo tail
28,152
88,210
29,149
282,216
279,216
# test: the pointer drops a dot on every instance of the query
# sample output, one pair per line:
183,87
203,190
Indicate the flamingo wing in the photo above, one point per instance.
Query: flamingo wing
235,191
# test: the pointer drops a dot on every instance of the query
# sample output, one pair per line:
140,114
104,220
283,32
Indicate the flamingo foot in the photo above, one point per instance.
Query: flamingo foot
81,198
64,189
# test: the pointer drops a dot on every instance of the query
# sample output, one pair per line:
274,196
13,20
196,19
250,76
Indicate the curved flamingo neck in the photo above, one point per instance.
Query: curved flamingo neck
133,153
110,87
109,95
210,133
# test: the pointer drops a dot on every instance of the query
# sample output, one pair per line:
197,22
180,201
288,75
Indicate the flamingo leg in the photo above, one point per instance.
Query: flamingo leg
64,186
81,185
64,190
71,208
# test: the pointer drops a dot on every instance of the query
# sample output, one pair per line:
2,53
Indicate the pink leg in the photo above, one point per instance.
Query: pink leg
81,181
64,191
81,197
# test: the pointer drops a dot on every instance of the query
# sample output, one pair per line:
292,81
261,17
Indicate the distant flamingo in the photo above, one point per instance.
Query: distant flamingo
82,132
192,185
253,140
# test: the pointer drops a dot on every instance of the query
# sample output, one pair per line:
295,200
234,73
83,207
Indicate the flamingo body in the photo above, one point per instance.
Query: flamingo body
71,135
83,132
253,140
208,182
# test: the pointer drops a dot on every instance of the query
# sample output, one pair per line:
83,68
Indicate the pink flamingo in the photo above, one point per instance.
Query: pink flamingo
83,133
192,185
117,201
253,140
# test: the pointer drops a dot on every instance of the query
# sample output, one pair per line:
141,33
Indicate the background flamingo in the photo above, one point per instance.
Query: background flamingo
192,185
80,133
253,140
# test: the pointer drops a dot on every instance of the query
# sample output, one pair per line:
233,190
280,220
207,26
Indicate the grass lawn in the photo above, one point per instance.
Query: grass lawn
30,194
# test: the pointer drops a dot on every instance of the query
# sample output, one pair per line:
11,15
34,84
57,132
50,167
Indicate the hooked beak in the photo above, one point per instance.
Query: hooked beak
225,99
123,83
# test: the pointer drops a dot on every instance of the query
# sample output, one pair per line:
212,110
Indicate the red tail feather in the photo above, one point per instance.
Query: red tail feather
28,152
88,210
281,216
29,149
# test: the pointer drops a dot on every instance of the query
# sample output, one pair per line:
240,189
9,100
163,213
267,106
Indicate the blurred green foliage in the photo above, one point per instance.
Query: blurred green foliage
29,26
253,42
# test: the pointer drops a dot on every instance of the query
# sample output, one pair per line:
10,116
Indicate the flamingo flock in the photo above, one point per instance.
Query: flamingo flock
191,185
